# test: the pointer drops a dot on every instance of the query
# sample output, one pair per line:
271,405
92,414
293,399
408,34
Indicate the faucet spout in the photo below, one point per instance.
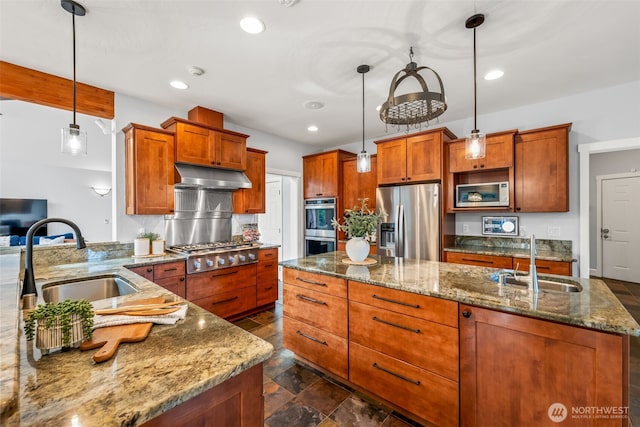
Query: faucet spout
29,283
533,272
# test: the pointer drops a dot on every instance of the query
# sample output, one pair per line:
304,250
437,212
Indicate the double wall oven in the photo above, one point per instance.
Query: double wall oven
319,235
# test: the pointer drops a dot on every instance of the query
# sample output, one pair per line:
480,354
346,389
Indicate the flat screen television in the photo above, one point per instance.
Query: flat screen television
17,215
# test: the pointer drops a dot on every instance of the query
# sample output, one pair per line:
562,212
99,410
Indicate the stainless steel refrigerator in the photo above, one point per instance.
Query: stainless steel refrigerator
411,226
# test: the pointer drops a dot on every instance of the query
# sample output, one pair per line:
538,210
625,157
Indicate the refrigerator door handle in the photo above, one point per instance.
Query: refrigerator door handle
400,231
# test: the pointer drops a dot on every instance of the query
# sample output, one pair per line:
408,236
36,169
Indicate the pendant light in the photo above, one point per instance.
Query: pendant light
476,142
364,159
74,140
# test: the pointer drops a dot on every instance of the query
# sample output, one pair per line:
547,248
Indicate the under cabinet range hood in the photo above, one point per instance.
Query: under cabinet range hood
205,177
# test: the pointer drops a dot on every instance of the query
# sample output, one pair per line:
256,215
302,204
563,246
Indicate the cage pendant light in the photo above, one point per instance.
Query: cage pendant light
74,139
476,142
364,159
413,108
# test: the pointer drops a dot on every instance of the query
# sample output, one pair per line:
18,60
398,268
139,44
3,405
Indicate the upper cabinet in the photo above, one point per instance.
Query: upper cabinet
252,200
204,145
149,176
499,154
322,173
541,169
415,158
357,185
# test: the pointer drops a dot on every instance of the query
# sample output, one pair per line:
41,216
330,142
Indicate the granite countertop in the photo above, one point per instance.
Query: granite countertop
549,255
143,380
550,250
596,307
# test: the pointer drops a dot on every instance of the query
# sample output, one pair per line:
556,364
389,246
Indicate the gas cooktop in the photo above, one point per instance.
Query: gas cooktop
212,247
216,255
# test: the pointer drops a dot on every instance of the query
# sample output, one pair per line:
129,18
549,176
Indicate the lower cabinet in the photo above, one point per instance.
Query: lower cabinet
513,368
267,277
521,264
169,275
545,266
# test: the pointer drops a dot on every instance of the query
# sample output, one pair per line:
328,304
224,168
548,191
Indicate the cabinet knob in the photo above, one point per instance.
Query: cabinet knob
517,209
475,166
402,179
481,166
182,279
149,269
408,178
466,314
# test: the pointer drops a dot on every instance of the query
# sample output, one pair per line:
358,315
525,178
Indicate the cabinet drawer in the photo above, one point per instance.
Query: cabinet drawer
176,284
422,393
169,269
428,345
268,276
145,271
202,285
317,309
268,255
421,306
230,303
267,292
544,266
317,346
317,282
492,261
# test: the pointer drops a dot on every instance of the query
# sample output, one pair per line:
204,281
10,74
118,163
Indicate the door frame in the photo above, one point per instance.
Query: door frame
585,150
598,271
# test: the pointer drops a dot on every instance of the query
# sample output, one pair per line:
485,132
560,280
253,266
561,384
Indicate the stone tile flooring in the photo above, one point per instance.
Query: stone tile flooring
301,397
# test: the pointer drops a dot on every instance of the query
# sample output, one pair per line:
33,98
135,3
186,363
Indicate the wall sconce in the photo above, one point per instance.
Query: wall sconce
101,191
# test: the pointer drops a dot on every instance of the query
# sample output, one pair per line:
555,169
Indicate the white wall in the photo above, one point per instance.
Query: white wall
600,115
32,166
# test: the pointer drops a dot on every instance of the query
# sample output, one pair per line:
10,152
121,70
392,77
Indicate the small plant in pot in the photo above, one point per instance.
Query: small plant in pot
63,324
359,224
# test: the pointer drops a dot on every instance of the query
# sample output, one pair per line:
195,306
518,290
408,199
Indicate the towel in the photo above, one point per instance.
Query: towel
102,321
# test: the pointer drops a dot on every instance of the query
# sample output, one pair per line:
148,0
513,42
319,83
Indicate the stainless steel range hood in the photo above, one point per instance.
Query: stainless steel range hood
205,177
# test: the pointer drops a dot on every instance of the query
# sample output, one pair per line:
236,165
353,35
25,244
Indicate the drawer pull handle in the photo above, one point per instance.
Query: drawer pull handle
225,300
266,255
268,265
311,282
269,288
395,301
225,274
309,299
477,260
170,269
311,338
386,322
402,377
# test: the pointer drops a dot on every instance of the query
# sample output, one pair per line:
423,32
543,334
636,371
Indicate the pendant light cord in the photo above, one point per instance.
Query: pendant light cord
363,112
73,24
475,85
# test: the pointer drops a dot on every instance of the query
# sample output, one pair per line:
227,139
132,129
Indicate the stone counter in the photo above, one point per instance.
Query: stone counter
550,250
596,307
143,380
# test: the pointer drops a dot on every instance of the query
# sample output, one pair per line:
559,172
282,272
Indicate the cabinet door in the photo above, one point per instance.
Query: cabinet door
194,144
357,186
230,151
229,304
149,172
512,368
457,160
329,169
322,311
541,171
392,162
267,277
312,177
145,271
176,284
499,154
493,261
424,157
252,200
545,266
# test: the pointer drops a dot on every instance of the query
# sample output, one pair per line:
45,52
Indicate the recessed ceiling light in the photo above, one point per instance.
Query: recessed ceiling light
178,84
252,25
494,74
313,105
312,128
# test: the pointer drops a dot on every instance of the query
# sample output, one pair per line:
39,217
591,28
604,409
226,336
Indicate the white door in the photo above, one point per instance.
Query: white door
621,229
270,223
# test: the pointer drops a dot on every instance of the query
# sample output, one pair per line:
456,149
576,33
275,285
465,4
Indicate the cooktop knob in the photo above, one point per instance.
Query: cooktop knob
252,256
221,261
242,258
197,265
210,262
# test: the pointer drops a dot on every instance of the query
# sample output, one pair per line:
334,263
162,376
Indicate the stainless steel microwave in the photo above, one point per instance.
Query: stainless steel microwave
486,194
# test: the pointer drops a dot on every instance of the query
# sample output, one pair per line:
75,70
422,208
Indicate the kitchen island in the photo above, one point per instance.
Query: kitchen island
446,344
174,367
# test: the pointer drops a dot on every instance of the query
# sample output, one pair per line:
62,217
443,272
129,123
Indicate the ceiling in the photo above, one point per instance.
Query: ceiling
310,52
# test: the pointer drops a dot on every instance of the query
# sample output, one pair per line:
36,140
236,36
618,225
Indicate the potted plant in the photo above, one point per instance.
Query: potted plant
359,224
63,324
142,244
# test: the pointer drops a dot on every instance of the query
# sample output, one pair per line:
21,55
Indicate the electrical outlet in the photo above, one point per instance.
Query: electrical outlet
553,231
465,227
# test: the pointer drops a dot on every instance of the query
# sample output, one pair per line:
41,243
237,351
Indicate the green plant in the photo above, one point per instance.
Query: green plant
62,312
359,221
149,235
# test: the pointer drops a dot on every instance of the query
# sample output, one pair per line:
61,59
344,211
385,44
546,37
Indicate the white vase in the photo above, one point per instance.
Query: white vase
357,249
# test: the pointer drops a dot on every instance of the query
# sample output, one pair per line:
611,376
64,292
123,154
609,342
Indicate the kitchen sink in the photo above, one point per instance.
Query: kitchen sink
547,284
90,289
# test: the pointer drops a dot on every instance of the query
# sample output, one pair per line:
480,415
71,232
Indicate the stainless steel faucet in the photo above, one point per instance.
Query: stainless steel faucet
29,291
533,272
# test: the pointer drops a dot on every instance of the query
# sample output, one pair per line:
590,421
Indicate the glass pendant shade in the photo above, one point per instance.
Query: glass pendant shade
74,141
476,145
364,162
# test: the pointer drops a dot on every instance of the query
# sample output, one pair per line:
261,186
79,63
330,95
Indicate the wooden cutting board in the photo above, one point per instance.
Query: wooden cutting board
110,337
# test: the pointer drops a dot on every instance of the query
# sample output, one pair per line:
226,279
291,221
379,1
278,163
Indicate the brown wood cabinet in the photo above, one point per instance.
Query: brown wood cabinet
356,186
149,175
512,368
415,158
199,144
267,276
545,266
322,173
493,261
236,402
169,275
252,200
315,319
499,154
542,169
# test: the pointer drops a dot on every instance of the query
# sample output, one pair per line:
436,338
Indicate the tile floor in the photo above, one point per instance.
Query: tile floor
298,396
